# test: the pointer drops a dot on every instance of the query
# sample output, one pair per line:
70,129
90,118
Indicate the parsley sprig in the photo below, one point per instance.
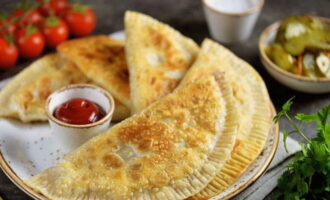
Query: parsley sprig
308,176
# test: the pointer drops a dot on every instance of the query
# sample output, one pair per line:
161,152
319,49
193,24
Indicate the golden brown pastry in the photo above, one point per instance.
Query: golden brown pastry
25,96
102,60
253,102
157,56
171,150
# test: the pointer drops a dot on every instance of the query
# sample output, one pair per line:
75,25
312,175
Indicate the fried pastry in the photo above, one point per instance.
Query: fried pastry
157,56
170,150
25,96
253,102
102,60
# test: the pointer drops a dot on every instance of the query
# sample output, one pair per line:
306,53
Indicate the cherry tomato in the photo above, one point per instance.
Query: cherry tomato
10,29
55,31
9,54
30,42
17,13
81,20
54,7
33,18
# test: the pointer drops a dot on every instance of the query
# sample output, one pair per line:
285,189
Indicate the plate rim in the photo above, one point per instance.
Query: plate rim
10,173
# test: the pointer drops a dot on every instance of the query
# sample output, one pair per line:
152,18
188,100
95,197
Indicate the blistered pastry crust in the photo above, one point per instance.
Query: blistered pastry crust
102,60
158,57
170,150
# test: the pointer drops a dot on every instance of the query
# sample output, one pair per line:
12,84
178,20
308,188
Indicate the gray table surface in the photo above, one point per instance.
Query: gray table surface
188,17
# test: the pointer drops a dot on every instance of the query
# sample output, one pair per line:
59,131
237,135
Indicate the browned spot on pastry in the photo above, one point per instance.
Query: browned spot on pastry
111,50
163,88
137,166
123,74
152,80
27,97
159,40
112,161
238,145
105,53
102,60
135,171
134,133
147,134
84,178
109,141
159,179
118,175
145,144
45,90
89,55
78,162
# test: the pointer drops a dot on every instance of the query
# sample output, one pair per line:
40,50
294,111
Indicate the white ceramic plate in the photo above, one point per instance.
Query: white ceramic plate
27,149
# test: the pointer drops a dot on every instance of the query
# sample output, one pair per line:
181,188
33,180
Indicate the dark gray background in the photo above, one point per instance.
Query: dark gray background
188,17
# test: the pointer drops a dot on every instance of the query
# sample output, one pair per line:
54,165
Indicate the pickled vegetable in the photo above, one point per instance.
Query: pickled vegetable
302,46
280,57
295,46
323,63
309,65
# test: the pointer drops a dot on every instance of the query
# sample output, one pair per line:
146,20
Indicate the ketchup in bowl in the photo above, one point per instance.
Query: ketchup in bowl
79,111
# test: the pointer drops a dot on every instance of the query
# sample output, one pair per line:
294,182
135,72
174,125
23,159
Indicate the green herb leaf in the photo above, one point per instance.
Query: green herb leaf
285,108
326,135
308,175
324,115
307,168
302,187
306,118
287,105
285,136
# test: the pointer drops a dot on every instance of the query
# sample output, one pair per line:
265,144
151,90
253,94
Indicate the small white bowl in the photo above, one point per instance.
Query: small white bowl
72,136
301,83
231,27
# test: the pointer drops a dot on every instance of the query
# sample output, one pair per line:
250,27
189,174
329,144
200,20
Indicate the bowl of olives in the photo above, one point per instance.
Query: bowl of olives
296,52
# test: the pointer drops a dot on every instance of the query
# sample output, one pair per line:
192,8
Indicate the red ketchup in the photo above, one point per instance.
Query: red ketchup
79,111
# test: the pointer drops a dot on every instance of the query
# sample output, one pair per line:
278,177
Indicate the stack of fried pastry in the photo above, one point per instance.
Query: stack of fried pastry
200,115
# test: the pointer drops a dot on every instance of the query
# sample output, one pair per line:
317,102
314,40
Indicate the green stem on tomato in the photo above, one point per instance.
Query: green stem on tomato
16,19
